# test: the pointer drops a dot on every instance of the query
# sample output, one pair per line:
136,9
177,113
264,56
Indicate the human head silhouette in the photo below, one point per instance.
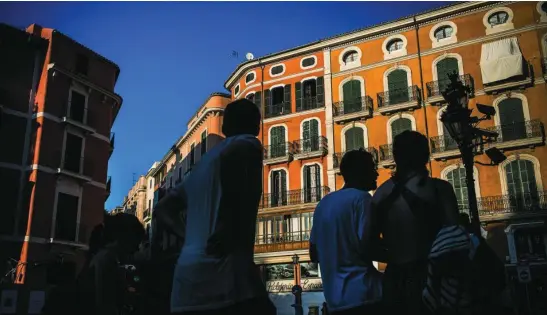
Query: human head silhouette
359,170
410,151
127,231
241,117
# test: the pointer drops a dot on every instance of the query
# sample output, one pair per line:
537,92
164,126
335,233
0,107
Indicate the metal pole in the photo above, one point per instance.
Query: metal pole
467,157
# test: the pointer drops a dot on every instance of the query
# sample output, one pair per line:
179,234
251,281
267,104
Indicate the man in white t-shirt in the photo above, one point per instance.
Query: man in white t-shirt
215,272
339,240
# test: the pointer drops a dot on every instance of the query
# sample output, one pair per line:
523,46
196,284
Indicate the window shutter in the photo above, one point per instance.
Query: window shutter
356,89
287,96
355,138
445,67
258,100
317,182
320,93
267,102
512,119
397,86
298,91
283,186
314,134
400,125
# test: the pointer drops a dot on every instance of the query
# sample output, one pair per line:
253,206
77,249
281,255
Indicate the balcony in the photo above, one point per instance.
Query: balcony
287,241
76,167
518,82
505,207
310,148
276,110
309,103
518,135
399,100
112,141
337,157
301,198
435,89
360,108
278,153
77,117
385,156
443,147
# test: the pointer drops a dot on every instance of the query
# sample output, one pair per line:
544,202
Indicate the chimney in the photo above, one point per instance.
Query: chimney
35,29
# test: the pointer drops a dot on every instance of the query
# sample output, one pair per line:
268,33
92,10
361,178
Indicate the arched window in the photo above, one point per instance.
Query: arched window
278,145
352,96
354,138
544,7
512,120
394,45
311,183
397,81
399,125
251,97
457,179
444,32
444,67
278,188
310,135
498,18
236,90
350,56
250,77
521,184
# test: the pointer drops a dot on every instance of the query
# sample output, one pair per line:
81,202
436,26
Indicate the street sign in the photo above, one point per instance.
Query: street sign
524,274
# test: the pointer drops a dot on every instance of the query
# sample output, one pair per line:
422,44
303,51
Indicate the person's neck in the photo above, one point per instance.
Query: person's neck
355,186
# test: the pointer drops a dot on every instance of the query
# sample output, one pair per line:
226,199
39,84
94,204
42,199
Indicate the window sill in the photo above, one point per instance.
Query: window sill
445,42
350,65
395,54
500,28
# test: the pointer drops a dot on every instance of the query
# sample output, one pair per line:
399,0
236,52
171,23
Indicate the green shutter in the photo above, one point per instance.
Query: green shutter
320,94
287,98
258,100
277,141
352,96
355,138
314,134
512,119
306,141
397,87
284,186
298,91
445,67
268,109
400,125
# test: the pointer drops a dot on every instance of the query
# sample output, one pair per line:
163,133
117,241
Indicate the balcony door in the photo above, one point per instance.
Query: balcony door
355,138
310,135
397,87
521,185
400,125
278,146
312,183
512,119
278,191
66,217
77,106
457,179
73,153
445,67
352,96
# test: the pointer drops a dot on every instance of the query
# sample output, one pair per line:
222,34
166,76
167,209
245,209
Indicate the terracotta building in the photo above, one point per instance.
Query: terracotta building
135,201
362,88
60,143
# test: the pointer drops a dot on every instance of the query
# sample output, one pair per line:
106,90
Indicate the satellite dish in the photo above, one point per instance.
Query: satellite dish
249,56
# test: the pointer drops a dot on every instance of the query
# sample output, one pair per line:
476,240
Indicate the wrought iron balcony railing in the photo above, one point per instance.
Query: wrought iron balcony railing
337,157
274,110
278,150
435,88
294,197
282,237
362,104
532,129
309,103
310,145
523,203
442,143
398,96
385,153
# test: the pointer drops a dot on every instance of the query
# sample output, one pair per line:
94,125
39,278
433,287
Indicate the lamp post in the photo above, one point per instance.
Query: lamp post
297,289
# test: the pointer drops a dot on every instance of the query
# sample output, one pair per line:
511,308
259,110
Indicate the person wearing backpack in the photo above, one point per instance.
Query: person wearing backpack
408,211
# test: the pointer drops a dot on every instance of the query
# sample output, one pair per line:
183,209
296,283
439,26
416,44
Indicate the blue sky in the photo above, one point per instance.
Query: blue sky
172,55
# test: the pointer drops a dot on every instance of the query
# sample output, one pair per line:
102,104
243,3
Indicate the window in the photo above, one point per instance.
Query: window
287,228
277,101
250,77
278,188
444,67
354,138
251,97
277,70
73,153
309,94
236,90
66,216
77,106
149,204
398,87
278,145
457,179
497,18
277,95
308,62
192,154
351,92
150,186
399,125
203,142
443,32
512,120
394,45
310,135
82,64
312,183
350,56
521,185
544,7
449,142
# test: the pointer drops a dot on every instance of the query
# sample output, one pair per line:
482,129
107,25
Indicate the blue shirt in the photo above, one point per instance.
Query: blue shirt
339,232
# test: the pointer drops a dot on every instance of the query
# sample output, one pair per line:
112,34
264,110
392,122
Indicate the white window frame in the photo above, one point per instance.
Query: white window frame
522,97
542,14
286,179
445,41
348,127
353,64
442,57
308,119
512,158
302,173
278,125
398,53
500,27
254,79
397,67
394,118
279,74
308,67
346,80
448,169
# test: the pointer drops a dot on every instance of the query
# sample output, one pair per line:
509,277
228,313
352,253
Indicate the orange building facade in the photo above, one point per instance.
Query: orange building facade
361,89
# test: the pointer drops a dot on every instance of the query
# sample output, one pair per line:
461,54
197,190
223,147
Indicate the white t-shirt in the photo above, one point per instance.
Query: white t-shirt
340,226
209,281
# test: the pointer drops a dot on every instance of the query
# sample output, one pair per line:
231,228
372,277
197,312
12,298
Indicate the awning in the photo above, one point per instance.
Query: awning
501,60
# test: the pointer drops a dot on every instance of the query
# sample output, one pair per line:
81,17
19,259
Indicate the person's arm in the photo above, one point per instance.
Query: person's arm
448,202
372,243
169,211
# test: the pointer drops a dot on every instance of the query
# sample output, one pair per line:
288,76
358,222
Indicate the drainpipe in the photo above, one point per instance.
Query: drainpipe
333,133
263,107
422,96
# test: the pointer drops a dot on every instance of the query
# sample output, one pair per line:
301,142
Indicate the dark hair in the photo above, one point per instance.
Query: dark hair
241,117
354,160
123,226
410,151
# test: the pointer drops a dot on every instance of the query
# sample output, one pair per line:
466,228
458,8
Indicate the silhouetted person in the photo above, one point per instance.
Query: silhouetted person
339,240
409,210
215,272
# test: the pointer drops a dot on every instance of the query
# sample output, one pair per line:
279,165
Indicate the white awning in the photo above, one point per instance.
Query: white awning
500,60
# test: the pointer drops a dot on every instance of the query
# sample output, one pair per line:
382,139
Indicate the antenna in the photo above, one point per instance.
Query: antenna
249,56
